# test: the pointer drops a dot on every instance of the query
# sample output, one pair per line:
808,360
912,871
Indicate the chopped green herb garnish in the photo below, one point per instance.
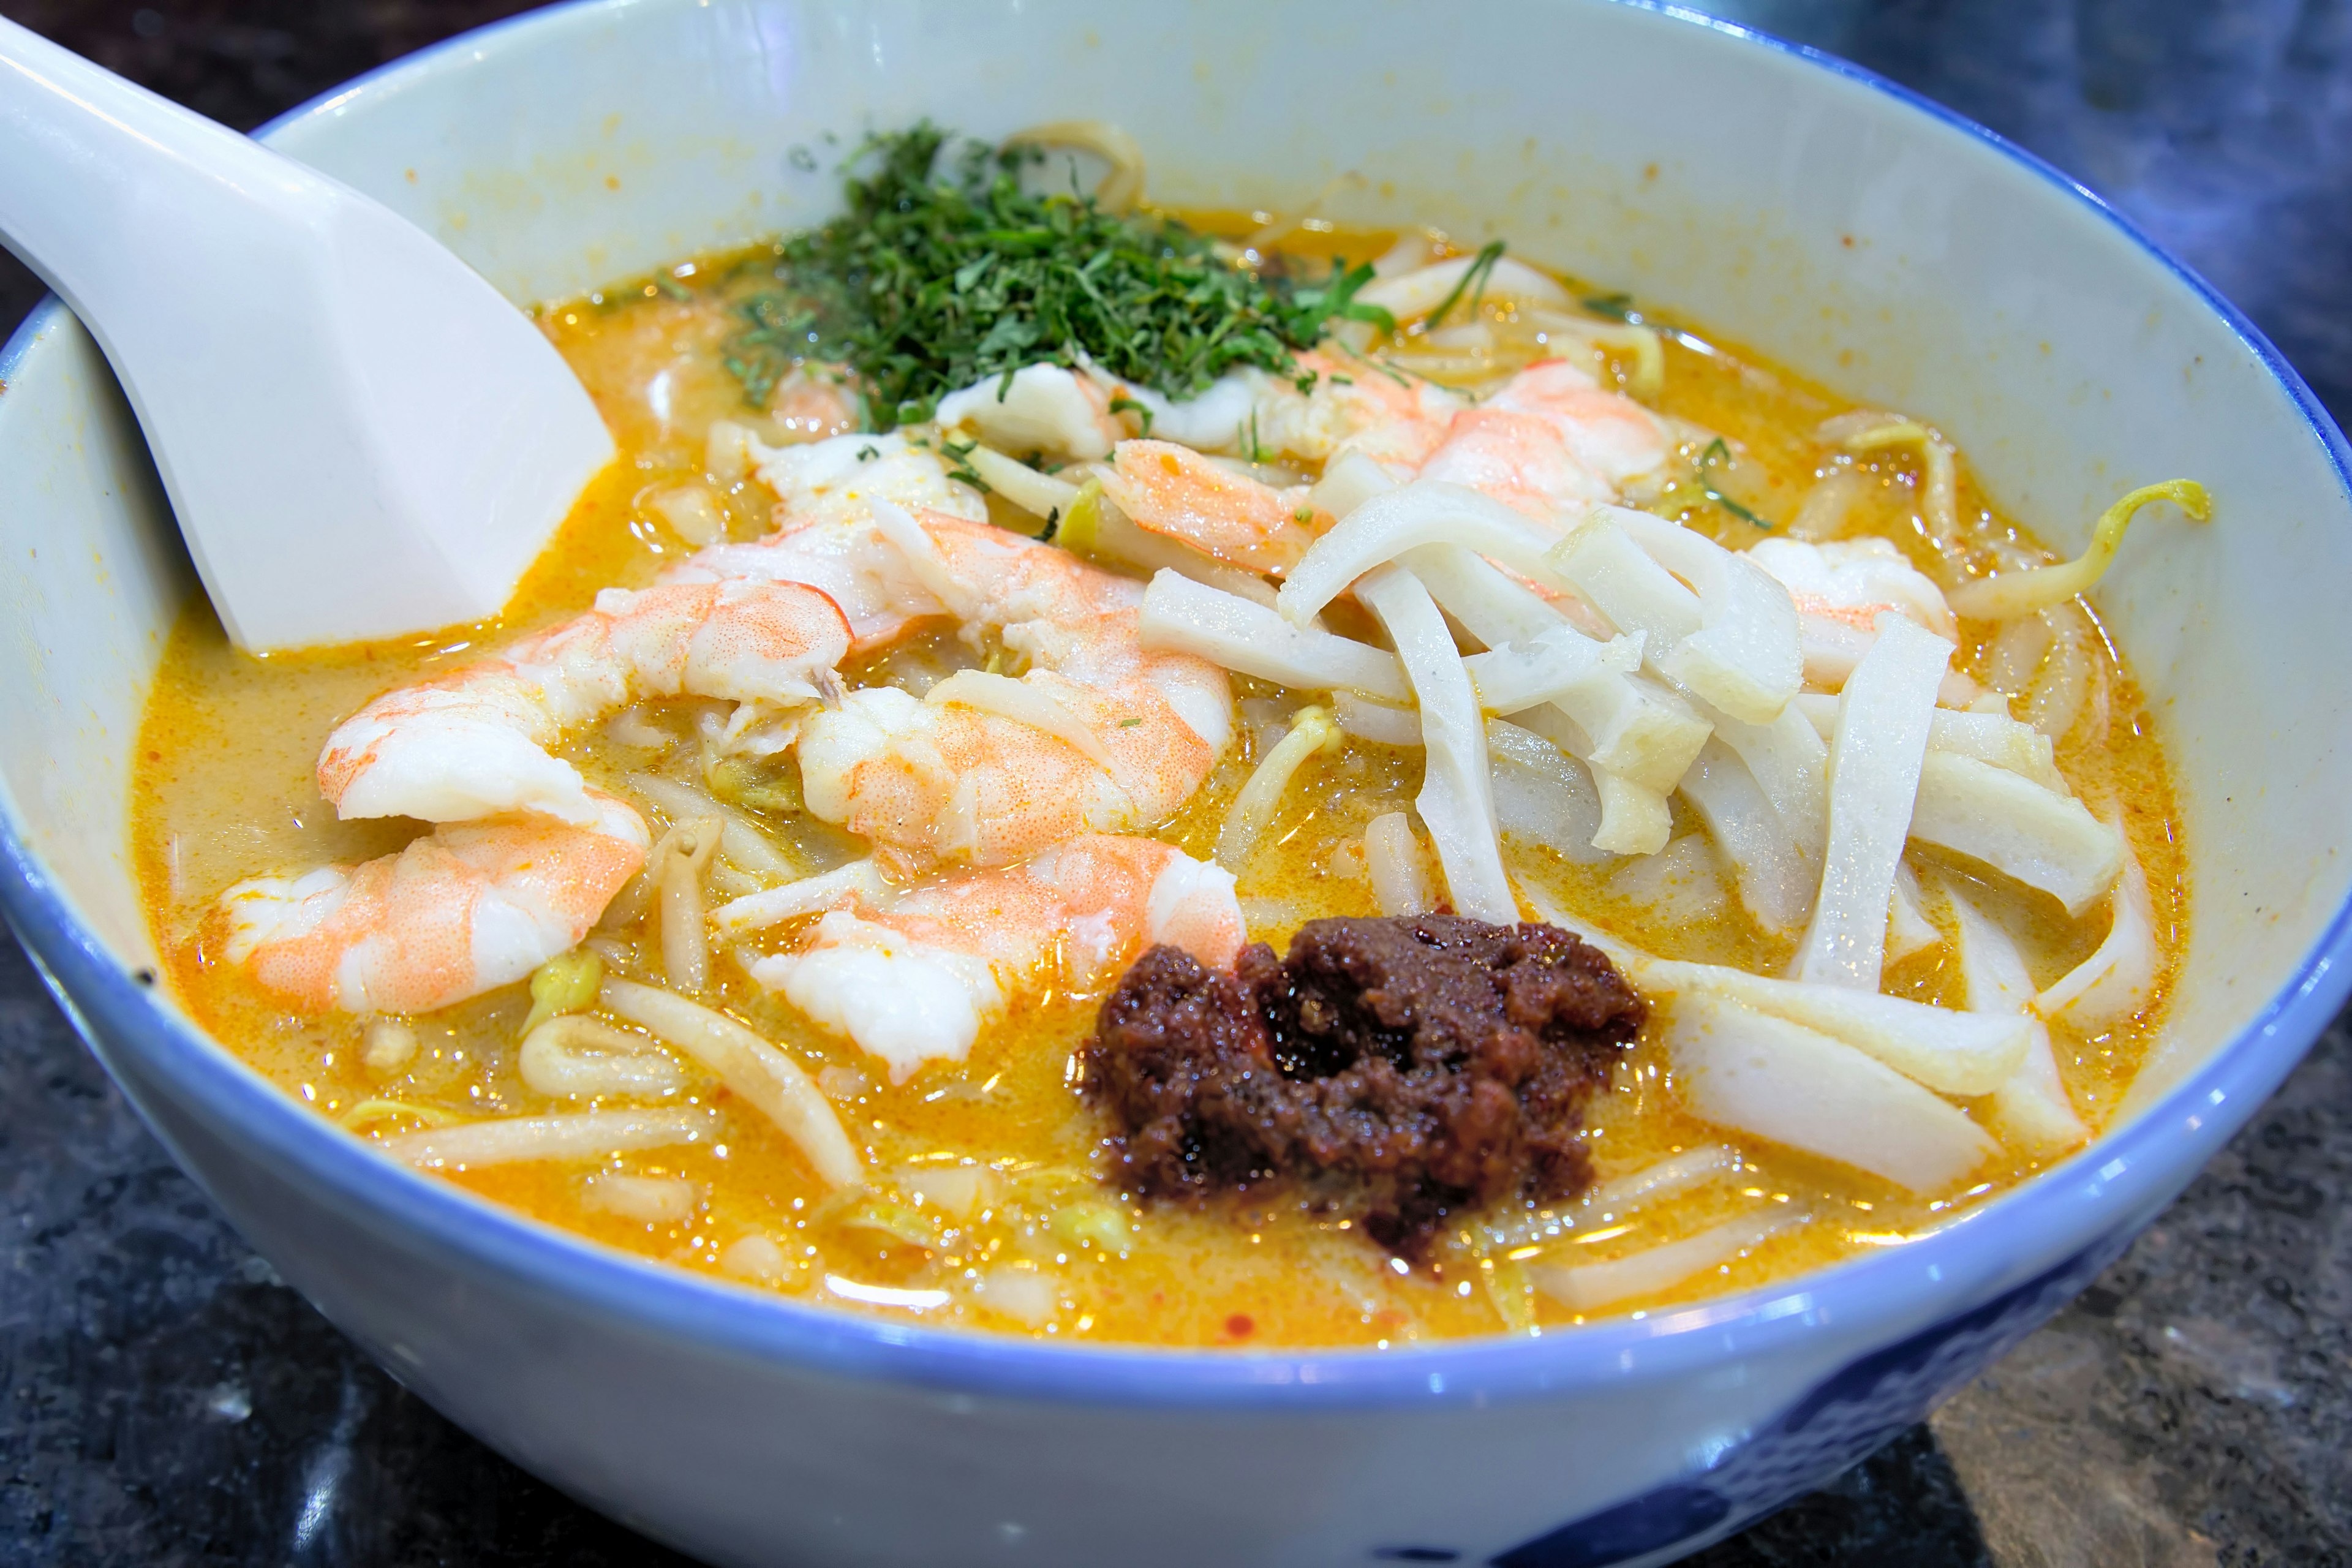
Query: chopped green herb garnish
1616,307
778,335
868,453
958,468
672,287
1474,278
1129,404
943,272
1717,452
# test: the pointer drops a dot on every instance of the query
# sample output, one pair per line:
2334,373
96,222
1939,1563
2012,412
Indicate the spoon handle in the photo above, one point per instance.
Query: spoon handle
99,173
359,436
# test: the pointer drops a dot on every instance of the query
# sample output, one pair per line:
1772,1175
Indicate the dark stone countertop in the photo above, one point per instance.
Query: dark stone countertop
168,1401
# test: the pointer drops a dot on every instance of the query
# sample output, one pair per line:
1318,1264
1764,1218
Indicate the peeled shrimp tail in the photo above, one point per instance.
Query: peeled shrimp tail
464,909
475,743
912,977
1098,735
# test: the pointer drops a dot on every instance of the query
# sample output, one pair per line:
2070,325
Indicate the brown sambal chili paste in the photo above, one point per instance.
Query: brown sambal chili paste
1401,1067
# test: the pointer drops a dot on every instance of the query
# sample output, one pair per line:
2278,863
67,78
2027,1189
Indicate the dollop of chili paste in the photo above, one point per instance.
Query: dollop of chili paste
1403,1068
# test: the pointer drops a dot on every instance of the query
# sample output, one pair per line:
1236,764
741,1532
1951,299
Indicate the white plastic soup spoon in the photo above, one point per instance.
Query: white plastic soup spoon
361,436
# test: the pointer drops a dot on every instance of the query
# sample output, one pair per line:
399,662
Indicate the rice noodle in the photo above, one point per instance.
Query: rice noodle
1821,514
1774,1079
2030,1111
1939,490
1908,929
727,451
1040,495
1456,801
740,840
1410,252
771,1081
1629,585
1776,884
727,883
1635,818
1624,722
810,895
1350,480
1183,617
1412,295
1588,1287
1997,739
691,511
2006,596
1426,512
1541,794
1311,733
386,1046
1561,665
1873,778
2055,700
2017,652
1648,377
685,942
581,1135
1681,885
1744,658
1392,861
1369,720
1095,529
1024,703
1670,1177
1949,1051
1789,763
576,1057
2112,982
2019,829
648,1200
1120,189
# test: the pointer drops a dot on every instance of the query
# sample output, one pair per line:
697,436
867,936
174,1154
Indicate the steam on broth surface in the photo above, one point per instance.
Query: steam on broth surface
776,904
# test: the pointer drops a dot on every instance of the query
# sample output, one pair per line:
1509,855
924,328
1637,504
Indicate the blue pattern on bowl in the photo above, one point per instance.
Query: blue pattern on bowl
1838,1424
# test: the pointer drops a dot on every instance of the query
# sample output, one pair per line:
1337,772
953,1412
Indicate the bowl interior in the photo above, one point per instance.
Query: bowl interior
1893,254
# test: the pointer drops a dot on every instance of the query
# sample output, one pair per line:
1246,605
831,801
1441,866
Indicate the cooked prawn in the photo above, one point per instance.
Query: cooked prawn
1176,492
473,743
1350,406
911,976
531,854
467,907
1551,444
1038,408
1099,735
1840,588
825,535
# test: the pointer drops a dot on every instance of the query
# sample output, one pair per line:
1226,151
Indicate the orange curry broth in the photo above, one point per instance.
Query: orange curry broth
223,789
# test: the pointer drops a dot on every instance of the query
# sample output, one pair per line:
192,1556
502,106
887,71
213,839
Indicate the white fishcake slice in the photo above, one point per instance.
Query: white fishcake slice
1780,1081
2021,830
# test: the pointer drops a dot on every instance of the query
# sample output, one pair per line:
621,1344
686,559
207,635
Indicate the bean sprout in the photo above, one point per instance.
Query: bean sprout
771,1081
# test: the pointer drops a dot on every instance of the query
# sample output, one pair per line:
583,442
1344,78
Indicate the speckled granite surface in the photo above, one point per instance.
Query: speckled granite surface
168,1402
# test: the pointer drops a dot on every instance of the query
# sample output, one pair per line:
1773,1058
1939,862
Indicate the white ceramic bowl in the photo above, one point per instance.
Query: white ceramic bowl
1780,198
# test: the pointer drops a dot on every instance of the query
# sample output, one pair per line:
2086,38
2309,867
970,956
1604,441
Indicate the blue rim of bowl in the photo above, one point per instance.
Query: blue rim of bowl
2116,1182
